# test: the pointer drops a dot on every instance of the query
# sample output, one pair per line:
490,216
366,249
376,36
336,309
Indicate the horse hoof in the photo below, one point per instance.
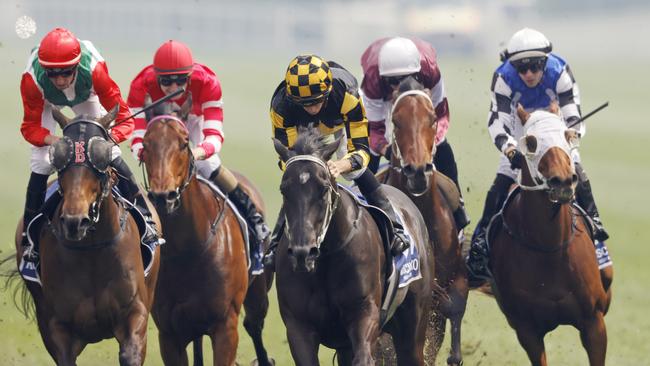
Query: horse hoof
257,363
453,361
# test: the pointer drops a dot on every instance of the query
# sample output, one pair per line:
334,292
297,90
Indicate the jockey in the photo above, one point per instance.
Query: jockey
64,71
325,94
534,77
385,63
174,68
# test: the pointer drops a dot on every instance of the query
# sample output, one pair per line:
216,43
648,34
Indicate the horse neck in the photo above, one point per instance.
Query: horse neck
537,216
343,220
188,228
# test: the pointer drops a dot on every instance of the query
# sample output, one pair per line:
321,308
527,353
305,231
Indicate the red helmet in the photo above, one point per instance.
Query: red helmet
59,48
173,57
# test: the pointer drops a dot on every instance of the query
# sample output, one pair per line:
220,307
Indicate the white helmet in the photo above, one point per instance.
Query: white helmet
399,56
527,43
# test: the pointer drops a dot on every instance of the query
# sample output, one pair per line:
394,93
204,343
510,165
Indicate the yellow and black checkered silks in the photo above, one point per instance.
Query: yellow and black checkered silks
308,79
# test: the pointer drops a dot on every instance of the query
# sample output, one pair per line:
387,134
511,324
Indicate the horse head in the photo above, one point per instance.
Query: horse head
309,195
82,159
414,133
167,155
547,146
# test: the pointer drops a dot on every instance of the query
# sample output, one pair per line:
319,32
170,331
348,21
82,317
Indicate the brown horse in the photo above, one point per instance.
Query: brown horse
204,278
92,276
542,256
331,265
411,171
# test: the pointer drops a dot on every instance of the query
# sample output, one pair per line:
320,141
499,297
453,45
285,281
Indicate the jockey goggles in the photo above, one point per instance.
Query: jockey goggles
395,80
168,80
532,64
65,72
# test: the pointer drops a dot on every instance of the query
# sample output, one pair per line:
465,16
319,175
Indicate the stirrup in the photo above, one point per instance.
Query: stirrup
399,244
269,259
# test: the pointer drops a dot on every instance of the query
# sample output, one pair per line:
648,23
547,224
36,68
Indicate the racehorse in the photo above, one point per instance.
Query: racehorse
203,278
412,172
541,254
91,269
331,265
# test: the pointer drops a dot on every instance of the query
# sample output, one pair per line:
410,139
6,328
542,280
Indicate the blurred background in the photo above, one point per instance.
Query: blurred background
249,44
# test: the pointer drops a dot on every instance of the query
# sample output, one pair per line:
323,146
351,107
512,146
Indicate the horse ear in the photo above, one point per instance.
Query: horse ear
282,150
186,108
531,143
60,118
329,149
109,117
523,115
554,108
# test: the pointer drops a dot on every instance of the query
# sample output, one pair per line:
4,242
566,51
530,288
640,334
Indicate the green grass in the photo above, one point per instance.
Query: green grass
614,153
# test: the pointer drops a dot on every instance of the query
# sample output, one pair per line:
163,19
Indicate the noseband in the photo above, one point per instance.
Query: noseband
331,201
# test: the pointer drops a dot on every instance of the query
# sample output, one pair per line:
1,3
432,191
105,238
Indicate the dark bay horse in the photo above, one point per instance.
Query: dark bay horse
411,171
93,283
331,265
542,257
204,278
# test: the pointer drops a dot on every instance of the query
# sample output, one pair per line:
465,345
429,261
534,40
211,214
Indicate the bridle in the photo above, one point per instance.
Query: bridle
191,171
396,150
331,201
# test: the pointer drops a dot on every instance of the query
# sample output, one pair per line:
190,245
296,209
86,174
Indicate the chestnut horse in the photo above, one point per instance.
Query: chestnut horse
92,275
542,256
331,265
412,172
203,278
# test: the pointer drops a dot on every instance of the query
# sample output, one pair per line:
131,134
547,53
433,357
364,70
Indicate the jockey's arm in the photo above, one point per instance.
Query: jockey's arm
569,100
210,100
500,119
285,134
109,96
135,101
33,104
358,155
376,113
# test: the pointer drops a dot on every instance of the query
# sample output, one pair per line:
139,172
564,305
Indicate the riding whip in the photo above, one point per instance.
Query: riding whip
589,114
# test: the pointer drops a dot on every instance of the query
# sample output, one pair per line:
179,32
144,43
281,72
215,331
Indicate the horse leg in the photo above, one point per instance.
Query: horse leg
172,351
455,310
594,339
225,339
132,336
65,348
303,343
409,343
256,306
363,331
533,344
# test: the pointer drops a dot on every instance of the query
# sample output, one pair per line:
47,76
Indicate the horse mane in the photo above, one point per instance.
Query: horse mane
409,83
310,141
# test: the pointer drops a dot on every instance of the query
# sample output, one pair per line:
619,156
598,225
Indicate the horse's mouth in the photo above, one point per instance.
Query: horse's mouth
417,186
561,195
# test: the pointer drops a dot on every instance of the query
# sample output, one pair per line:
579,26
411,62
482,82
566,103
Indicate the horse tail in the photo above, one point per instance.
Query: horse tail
26,303
197,346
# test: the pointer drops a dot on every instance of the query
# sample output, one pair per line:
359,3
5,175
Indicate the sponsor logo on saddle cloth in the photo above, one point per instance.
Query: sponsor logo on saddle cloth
602,254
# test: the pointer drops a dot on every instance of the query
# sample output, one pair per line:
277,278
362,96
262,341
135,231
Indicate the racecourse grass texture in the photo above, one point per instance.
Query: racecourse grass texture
614,153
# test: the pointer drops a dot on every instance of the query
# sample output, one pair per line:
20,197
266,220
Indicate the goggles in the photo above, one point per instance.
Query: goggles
534,65
65,72
168,80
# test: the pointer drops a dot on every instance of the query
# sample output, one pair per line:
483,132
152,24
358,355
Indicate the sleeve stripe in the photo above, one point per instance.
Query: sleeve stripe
350,102
212,124
139,133
134,110
212,104
566,97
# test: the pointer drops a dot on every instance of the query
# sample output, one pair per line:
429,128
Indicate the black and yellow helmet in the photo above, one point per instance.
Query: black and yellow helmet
308,79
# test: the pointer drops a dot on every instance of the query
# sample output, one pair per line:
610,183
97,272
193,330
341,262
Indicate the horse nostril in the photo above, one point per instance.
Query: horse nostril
85,222
574,178
172,196
314,252
554,182
409,170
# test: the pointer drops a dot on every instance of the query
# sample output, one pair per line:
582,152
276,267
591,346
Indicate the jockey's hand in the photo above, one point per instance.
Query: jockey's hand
137,154
51,139
339,167
572,135
387,151
199,153
517,159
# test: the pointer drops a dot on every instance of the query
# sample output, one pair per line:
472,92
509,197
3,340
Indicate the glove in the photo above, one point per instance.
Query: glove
137,154
389,152
517,159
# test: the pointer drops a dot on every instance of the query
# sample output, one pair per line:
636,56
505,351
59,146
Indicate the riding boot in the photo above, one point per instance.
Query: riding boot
130,190
278,230
586,200
461,217
34,199
478,258
259,231
400,243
